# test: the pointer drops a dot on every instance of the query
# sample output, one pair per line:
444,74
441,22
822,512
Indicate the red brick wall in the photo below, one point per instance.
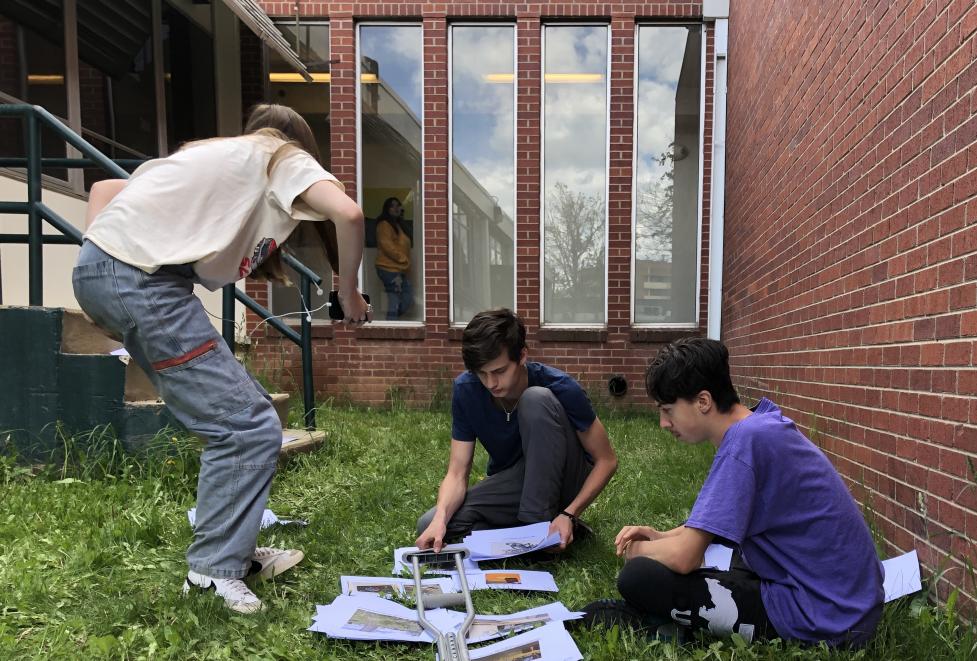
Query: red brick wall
366,365
849,291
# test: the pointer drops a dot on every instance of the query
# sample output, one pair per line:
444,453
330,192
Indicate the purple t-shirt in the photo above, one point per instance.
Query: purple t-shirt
774,493
474,415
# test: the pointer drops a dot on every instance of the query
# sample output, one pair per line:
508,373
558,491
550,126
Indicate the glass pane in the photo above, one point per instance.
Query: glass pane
574,174
32,71
311,100
667,174
188,65
482,169
391,119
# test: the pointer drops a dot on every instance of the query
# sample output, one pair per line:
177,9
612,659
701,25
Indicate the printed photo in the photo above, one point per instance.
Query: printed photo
364,620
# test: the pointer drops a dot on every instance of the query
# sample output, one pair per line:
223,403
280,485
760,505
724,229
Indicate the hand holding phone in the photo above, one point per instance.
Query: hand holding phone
336,312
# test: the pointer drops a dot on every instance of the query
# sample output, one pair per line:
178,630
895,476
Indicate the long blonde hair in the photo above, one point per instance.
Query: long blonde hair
285,124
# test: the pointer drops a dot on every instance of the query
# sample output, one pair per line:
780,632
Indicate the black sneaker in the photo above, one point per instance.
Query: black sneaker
609,612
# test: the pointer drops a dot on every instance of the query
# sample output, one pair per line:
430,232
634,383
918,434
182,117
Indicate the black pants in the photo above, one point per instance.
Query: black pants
717,602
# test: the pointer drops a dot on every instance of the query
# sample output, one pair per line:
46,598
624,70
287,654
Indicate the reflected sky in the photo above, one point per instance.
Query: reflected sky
574,173
482,117
483,168
397,51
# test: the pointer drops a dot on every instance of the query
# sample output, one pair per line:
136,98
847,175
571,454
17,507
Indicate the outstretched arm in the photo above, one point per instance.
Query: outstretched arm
327,199
451,494
597,444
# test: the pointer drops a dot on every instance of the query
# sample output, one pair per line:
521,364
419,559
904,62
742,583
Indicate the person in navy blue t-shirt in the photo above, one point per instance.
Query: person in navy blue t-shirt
804,566
549,454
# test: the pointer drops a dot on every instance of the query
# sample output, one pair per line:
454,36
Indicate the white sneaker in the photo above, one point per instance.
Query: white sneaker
268,562
236,594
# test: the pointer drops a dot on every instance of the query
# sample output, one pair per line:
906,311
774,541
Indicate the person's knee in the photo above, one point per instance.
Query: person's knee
424,521
641,579
537,397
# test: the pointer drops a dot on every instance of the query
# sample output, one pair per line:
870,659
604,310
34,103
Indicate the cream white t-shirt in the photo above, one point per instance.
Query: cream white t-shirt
212,205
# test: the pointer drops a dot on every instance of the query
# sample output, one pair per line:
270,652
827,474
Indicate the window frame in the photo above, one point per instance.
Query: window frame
542,174
422,299
452,322
700,184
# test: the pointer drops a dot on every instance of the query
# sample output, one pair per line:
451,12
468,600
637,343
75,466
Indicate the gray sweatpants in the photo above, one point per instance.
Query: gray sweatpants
543,482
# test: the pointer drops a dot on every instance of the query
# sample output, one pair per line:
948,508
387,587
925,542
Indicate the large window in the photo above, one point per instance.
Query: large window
575,85
287,87
666,179
482,169
390,104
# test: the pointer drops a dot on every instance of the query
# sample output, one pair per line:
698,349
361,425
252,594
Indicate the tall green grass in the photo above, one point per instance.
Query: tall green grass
92,544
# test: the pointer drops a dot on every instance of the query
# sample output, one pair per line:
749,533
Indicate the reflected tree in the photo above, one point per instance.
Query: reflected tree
574,238
655,203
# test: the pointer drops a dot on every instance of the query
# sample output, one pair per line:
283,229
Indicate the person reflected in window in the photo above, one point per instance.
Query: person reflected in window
393,258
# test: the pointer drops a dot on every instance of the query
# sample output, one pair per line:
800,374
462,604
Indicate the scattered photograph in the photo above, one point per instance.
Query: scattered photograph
528,652
484,628
368,621
503,578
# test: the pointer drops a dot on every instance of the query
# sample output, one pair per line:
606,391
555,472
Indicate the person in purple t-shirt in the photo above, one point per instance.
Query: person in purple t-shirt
804,566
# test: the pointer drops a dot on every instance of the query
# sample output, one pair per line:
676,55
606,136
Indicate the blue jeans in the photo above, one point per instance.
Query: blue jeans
165,329
399,294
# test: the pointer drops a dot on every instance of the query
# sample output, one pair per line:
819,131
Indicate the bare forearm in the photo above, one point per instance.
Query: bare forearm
350,237
669,552
451,494
600,475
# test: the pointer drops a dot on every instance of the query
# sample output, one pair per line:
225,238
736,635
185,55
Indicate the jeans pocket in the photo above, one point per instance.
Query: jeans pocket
207,388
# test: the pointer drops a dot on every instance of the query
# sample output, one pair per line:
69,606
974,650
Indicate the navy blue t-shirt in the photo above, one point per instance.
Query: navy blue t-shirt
475,416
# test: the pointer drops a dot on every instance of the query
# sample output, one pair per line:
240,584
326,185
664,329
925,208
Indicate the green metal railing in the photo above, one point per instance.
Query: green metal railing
37,213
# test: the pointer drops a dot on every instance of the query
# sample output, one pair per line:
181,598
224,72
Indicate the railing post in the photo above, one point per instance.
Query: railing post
35,228
227,315
308,396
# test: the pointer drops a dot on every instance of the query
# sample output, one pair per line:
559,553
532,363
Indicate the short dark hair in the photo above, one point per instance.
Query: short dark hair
488,334
688,366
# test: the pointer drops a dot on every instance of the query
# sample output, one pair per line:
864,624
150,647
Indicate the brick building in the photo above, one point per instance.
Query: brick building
849,290
485,118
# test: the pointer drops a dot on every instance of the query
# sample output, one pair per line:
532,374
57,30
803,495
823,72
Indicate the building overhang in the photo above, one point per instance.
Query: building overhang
258,21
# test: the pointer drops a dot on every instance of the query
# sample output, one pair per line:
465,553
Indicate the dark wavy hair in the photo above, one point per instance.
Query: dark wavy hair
488,334
688,366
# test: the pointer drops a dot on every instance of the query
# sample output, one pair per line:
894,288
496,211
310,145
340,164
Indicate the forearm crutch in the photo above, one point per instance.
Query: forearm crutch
451,645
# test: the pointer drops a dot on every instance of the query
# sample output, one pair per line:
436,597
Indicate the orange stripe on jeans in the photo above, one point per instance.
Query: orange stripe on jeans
210,345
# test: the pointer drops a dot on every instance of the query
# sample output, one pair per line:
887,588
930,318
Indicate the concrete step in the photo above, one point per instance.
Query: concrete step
57,370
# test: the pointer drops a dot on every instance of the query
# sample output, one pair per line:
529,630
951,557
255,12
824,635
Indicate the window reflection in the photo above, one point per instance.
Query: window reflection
667,174
482,169
574,173
391,121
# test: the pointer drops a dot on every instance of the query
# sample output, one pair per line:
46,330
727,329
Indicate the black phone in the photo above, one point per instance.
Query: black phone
335,309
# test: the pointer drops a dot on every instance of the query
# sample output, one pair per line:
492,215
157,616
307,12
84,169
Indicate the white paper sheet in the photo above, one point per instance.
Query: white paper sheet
489,627
268,519
901,576
509,542
402,568
718,557
551,642
508,579
390,588
369,618
287,438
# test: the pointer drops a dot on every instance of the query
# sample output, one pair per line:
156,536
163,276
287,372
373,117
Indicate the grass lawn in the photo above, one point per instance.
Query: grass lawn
91,551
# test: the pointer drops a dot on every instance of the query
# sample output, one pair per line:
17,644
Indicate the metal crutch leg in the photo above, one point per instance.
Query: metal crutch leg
451,645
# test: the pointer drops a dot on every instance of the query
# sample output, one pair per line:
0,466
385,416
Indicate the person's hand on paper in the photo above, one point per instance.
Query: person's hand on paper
631,534
432,537
564,526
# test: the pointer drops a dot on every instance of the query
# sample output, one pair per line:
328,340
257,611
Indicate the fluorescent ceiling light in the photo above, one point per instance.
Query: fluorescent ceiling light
287,77
45,79
368,78
574,77
550,77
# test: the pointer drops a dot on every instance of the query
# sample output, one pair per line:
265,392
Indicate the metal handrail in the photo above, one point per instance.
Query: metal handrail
37,212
